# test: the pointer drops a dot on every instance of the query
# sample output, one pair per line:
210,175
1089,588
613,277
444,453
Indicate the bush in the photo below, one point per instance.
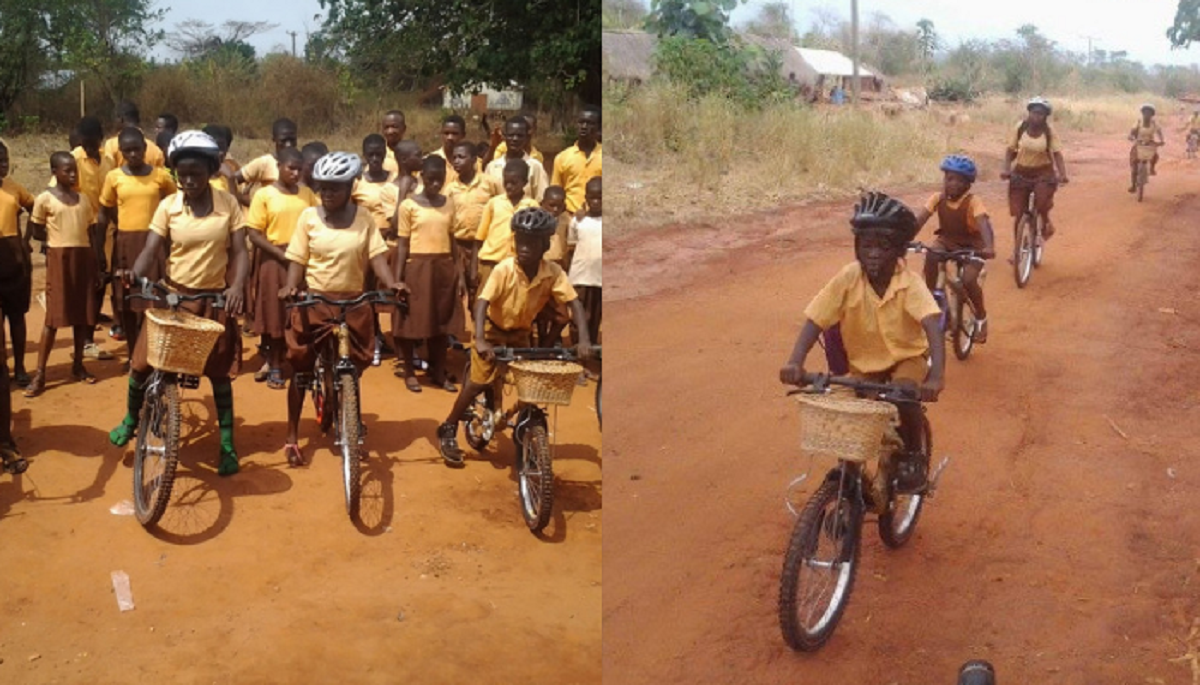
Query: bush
953,90
747,75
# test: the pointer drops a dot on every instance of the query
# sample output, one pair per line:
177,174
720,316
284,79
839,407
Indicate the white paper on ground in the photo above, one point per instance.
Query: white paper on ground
120,581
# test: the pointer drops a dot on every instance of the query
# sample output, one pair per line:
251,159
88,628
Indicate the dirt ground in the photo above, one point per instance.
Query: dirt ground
262,578
1062,543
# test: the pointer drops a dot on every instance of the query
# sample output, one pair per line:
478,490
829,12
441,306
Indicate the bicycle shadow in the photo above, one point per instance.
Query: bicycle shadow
377,501
80,441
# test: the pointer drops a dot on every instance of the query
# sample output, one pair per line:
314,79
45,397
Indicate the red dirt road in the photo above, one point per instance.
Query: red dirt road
262,578
1062,543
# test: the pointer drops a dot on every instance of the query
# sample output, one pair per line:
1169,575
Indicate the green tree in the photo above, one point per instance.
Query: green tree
23,31
928,40
104,39
703,19
1186,28
774,20
623,14
197,39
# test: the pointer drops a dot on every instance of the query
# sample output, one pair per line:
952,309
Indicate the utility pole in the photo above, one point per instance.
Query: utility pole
293,35
854,49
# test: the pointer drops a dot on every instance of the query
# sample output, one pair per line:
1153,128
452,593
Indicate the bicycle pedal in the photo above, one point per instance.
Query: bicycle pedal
935,477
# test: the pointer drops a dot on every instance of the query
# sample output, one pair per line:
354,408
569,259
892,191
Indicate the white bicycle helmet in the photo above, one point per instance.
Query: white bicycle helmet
1147,106
1039,101
193,143
338,167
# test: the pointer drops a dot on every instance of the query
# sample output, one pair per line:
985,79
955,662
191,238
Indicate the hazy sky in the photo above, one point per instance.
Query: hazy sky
290,15
1137,26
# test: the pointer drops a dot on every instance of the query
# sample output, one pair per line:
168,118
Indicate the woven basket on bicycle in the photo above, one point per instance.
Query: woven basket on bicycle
844,427
180,341
545,382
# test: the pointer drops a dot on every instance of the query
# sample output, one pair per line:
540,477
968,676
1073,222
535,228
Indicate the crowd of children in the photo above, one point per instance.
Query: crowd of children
469,232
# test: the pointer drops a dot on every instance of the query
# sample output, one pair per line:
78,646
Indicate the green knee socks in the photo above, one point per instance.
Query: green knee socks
223,399
122,434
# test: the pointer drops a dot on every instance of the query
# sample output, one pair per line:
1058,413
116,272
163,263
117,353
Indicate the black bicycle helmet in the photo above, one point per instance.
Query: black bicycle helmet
534,221
878,211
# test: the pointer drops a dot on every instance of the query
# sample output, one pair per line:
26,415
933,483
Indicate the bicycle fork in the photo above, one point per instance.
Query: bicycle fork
345,366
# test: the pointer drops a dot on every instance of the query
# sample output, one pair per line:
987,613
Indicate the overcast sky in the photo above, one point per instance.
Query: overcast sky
290,15
1137,26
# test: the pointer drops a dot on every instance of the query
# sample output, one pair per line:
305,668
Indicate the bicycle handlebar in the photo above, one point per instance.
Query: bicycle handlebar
373,296
511,354
819,383
959,256
173,299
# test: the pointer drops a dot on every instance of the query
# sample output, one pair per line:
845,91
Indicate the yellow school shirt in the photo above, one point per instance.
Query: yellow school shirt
558,241
368,195
390,164
1145,134
13,198
879,332
469,201
90,180
514,299
66,225
1031,152
451,174
428,229
262,170
275,213
199,253
495,227
538,181
111,154
976,211
135,197
502,148
335,259
572,170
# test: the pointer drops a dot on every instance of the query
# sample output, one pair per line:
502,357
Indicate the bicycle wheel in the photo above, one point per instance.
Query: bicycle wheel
157,453
1023,248
535,478
962,336
819,568
896,525
350,433
478,423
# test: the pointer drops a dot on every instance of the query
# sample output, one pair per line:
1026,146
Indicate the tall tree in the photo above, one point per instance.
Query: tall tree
104,39
198,39
23,32
704,19
774,20
1186,28
928,39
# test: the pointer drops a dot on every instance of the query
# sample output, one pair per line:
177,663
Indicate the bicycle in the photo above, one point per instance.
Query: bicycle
534,462
177,366
334,385
1145,153
959,317
1029,243
815,585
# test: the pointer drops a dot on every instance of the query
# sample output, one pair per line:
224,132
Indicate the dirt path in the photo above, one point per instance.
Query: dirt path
1062,543
262,578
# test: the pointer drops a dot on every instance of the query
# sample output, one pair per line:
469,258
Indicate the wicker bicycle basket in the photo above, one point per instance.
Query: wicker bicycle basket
844,427
180,341
545,382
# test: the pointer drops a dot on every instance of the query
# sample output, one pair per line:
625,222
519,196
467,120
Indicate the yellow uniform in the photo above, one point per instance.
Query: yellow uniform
368,195
538,181
262,170
1032,152
135,197
1146,134
495,227
13,198
428,229
390,164
469,201
880,333
90,180
573,168
111,155
558,241
66,225
199,256
335,258
502,148
276,213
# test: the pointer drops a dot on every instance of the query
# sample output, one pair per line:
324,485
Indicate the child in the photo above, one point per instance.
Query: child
586,263
375,178
15,264
225,179
470,192
454,128
581,162
887,316
128,199
166,122
127,116
502,149
963,224
91,172
311,152
554,317
516,133
62,218
425,263
1145,133
515,292
263,171
274,212
494,239
1037,154
331,248
409,162
11,457
394,128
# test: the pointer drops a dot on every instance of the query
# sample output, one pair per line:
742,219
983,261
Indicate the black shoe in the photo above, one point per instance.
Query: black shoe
448,444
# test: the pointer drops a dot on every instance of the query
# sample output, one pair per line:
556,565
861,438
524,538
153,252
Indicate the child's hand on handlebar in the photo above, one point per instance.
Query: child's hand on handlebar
987,253
931,388
287,293
583,352
233,301
792,374
1005,175
485,350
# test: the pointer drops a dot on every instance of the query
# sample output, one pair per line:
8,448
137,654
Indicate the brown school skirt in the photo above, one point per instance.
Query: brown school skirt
221,360
1043,193
310,327
434,307
15,278
270,314
72,298
126,248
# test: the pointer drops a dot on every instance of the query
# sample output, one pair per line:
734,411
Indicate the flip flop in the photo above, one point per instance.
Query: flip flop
14,463
294,456
83,376
35,386
412,384
275,380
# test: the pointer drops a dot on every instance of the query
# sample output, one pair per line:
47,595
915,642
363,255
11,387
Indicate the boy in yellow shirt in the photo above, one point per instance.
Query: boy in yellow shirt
517,289
554,317
516,132
15,264
393,129
887,316
581,162
494,238
471,191
127,116
263,171
530,149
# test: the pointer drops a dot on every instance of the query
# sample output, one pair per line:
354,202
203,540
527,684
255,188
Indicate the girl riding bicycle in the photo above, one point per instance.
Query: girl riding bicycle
1038,155
962,225
1145,133
329,253
201,231
889,320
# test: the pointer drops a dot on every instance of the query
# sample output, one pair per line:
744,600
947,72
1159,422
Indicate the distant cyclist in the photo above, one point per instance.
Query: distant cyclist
1037,152
1192,129
1145,132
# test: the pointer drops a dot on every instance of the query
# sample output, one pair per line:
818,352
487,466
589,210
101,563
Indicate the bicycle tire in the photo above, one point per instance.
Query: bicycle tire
962,336
599,412
1023,248
477,418
158,421
804,542
895,530
535,478
349,429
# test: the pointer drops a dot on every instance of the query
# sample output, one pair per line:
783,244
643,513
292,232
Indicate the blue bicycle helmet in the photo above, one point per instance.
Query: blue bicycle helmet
960,164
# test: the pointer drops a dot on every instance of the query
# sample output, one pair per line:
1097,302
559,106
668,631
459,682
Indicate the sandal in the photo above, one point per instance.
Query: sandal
14,463
262,374
35,386
275,380
452,454
412,384
22,379
83,376
294,456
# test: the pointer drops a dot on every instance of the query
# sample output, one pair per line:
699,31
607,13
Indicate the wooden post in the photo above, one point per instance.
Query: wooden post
82,101
854,49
